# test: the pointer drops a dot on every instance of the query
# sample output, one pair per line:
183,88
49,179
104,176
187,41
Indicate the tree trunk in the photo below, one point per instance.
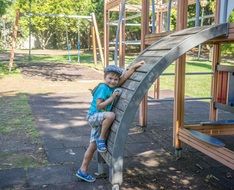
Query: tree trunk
14,37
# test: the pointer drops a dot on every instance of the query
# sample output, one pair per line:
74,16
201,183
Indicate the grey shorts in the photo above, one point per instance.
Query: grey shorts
95,121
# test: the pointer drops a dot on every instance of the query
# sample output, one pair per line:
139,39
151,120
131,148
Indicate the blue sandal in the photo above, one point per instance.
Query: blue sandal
84,176
101,145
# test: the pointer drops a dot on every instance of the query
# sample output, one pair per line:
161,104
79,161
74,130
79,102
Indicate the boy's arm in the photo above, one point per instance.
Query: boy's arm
129,72
101,104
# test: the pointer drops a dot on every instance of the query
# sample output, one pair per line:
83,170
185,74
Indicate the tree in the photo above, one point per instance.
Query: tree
46,28
4,4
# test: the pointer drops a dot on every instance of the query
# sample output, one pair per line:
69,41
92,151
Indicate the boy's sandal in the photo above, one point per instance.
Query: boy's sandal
84,176
101,145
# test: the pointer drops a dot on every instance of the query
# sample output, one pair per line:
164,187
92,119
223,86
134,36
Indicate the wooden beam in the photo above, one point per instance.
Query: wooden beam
178,116
98,37
151,38
227,129
215,62
112,4
221,154
94,46
143,115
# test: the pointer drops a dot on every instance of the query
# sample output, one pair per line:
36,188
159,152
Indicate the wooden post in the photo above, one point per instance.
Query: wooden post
144,30
94,46
215,62
106,34
97,36
178,120
14,37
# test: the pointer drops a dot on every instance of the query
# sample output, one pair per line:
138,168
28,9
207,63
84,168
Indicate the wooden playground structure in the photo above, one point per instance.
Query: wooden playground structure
159,50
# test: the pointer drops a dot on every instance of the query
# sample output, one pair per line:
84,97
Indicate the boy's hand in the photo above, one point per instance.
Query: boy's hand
117,92
138,64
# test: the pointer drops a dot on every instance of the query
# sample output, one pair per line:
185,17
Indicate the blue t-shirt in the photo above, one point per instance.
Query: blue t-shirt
102,91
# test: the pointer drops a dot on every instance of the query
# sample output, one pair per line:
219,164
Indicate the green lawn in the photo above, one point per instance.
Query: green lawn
16,116
196,85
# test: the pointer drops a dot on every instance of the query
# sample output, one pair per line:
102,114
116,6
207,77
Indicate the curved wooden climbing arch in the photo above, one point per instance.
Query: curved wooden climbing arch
157,58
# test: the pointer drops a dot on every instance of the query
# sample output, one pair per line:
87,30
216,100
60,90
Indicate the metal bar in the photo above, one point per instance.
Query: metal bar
137,42
224,15
169,16
121,15
172,99
128,18
204,17
60,15
193,73
197,13
153,17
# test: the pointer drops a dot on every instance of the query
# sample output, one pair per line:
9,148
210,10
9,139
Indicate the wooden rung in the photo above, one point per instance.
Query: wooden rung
223,155
107,157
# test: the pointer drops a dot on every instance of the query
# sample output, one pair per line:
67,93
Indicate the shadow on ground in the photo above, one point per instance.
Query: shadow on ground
149,161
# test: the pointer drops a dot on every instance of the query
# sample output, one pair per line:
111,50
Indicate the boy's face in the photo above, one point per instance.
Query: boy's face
112,80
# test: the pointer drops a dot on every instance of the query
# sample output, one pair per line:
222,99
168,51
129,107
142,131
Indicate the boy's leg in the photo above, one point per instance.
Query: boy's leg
82,172
108,120
88,157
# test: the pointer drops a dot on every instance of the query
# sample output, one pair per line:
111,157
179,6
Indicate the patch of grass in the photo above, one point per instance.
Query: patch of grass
86,58
16,115
4,70
195,85
19,160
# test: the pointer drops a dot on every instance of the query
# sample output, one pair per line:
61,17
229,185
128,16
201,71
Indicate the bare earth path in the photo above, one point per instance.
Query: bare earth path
59,100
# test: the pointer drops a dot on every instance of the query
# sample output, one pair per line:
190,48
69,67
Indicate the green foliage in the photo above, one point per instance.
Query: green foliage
228,49
4,4
4,70
51,31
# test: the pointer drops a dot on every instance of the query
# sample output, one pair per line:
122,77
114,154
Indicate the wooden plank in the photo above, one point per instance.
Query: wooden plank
131,84
222,155
118,114
213,130
110,146
224,152
178,115
121,104
112,4
157,53
98,37
188,31
171,43
151,38
126,94
107,157
137,76
224,87
115,126
219,86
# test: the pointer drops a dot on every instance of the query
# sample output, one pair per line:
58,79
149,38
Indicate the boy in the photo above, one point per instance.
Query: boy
100,117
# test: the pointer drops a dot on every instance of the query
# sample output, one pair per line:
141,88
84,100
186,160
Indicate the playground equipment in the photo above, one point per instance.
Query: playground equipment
163,50
95,35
